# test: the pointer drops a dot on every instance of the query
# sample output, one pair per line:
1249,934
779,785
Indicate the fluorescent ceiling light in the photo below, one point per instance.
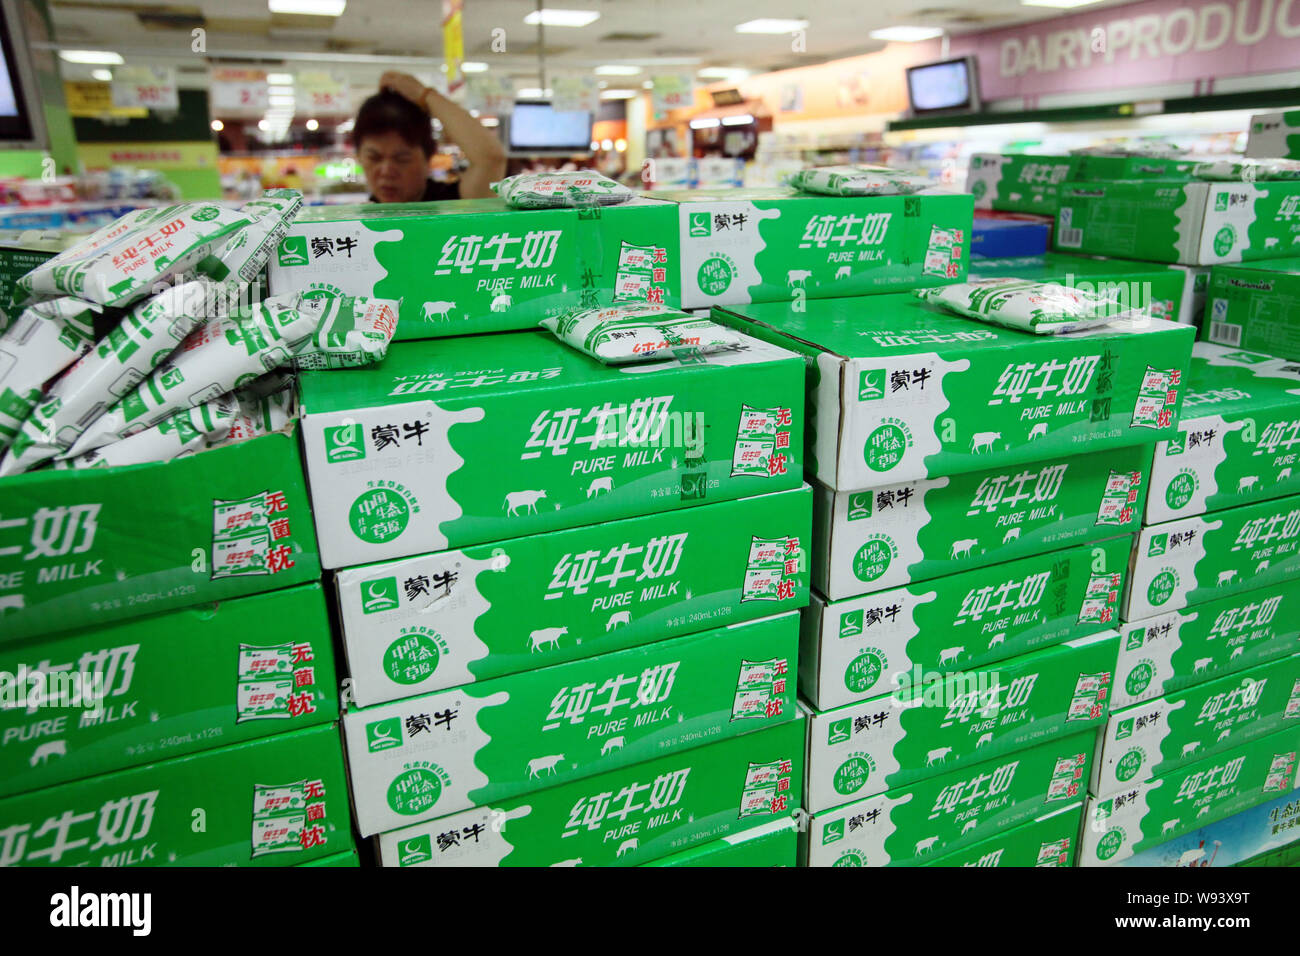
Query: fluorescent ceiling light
97,57
704,123
280,79
769,25
562,18
617,94
532,93
281,100
473,66
1059,4
491,121
280,90
313,8
722,73
617,69
103,76
909,34
648,85
744,119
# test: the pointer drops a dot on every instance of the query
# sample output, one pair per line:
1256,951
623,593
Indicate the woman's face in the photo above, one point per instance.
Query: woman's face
395,170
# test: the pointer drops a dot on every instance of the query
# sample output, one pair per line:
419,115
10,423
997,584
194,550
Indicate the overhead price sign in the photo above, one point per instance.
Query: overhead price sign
145,87
323,92
239,91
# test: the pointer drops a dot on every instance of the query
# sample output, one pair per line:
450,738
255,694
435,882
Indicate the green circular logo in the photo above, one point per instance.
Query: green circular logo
714,276
864,671
848,859
852,776
871,561
1180,490
979,189
1224,240
885,447
1162,588
411,658
414,791
1139,678
1109,845
379,515
1129,765
207,213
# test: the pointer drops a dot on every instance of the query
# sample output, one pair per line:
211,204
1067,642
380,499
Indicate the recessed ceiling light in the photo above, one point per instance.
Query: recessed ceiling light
217,126
313,8
770,25
594,145
99,57
473,66
263,125
280,79
705,123
744,119
620,145
103,76
607,144
906,34
617,69
312,125
562,18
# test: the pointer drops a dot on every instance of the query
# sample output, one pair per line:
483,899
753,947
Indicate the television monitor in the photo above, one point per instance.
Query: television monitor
20,123
948,86
536,127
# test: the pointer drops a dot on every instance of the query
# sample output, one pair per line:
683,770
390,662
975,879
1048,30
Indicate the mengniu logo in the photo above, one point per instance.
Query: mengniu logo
345,443
415,851
293,251
1159,544
207,214
838,732
871,384
860,505
833,833
851,623
701,225
1124,729
384,735
379,594
1221,202
1174,445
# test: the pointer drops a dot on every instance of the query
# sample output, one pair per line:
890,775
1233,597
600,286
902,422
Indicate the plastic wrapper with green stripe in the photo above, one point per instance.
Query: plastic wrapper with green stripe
43,340
110,371
241,259
1042,308
215,358
351,331
1248,170
163,243
850,180
639,333
553,190
266,406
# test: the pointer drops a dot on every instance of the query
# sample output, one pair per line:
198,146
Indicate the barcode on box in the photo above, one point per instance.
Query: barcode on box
1067,237
1225,333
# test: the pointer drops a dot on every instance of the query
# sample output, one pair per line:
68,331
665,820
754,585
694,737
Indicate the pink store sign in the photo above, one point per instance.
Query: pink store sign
1142,44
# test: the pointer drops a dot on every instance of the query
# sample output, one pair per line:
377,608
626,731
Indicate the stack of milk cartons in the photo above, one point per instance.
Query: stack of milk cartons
567,590
975,488
1207,704
164,643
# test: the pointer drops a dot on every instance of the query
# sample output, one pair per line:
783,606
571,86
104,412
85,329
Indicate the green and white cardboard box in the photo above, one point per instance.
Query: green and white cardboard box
1238,440
1166,807
769,844
1255,306
1274,136
1195,223
935,723
1134,167
941,815
348,859
427,756
476,265
1050,841
1172,651
443,620
1183,563
1019,182
626,817
277,801
893,534
1160,736
780,245
862,647
899,390
1167,291
20,253
85,548
472,439
171,684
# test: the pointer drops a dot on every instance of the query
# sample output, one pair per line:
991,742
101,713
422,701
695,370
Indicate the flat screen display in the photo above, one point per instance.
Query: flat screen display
536,126
15,124
948,85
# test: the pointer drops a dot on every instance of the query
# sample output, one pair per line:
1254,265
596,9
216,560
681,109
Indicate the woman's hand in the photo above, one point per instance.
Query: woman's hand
407,86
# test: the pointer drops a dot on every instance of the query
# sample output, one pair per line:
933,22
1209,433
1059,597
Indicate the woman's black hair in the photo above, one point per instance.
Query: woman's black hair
387,110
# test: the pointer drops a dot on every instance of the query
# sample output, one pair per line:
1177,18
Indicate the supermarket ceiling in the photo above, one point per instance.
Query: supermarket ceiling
656,35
